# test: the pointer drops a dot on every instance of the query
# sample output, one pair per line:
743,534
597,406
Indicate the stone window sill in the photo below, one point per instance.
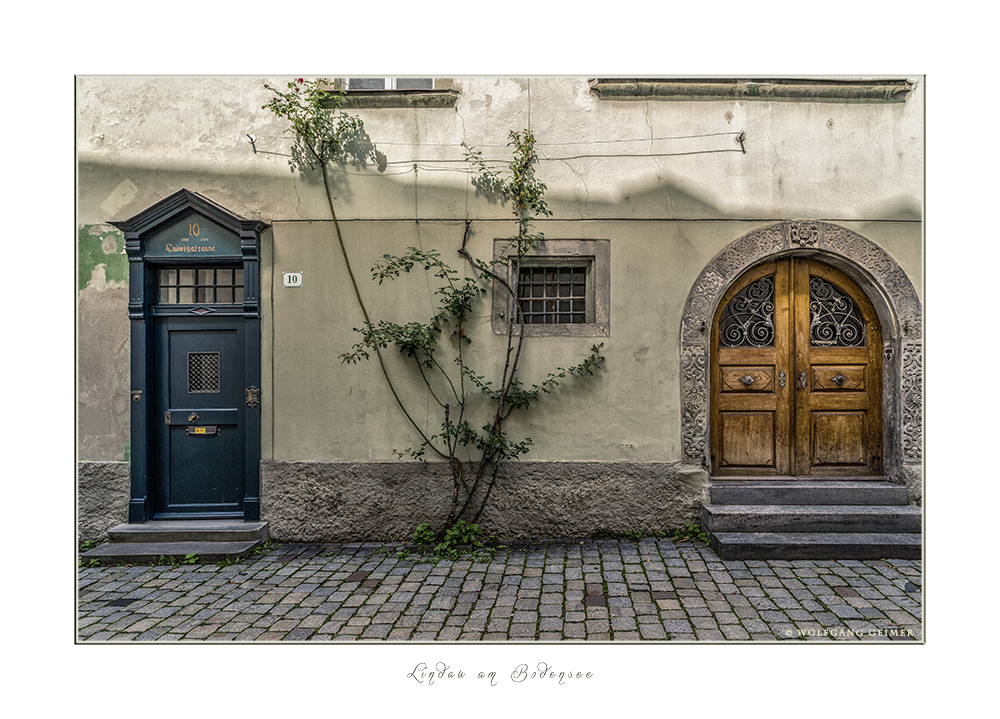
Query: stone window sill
379,99
859,91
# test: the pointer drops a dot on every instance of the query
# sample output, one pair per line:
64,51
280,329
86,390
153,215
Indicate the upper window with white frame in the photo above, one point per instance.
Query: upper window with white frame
390,83
562,289
397,92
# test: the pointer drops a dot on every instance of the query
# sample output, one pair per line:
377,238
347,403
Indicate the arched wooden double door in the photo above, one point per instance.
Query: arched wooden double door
796,375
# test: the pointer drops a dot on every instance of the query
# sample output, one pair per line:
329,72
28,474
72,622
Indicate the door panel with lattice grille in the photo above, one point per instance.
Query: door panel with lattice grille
199,443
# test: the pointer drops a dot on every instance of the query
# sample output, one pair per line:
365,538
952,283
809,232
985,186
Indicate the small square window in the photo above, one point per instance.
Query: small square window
562,289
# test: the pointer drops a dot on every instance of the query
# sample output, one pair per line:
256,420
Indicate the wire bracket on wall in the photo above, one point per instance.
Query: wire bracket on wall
251,139
741,138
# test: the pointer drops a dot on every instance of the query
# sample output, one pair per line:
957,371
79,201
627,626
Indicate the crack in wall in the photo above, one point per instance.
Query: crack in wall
584,210
659,167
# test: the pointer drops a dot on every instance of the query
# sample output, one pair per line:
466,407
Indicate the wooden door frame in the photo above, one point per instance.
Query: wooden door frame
240,244
885,284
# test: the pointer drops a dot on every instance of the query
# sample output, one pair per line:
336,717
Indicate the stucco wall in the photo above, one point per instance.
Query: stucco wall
318,408
102,344
141,138
667,183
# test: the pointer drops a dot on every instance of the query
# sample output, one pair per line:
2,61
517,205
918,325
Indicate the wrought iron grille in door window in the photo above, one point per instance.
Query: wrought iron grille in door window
202,285
748,320
834,318
553,295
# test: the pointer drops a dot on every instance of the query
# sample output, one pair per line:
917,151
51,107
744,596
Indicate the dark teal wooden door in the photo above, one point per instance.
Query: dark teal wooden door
201,414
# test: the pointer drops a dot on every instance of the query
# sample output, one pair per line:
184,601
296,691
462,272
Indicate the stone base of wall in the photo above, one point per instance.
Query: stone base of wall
102,498
385,501
912,477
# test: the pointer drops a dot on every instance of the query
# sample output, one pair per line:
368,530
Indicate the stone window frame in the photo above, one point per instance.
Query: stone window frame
596,253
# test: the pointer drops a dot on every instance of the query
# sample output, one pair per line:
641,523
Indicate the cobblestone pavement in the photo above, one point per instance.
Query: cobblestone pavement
550,591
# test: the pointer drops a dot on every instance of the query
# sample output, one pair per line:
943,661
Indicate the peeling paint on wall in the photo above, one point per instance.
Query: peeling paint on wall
122,195
101,245
103,343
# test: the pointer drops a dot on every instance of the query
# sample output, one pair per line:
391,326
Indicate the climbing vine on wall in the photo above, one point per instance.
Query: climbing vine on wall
474,408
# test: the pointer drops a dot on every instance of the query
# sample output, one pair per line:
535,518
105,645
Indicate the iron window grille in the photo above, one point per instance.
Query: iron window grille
211,285
554,295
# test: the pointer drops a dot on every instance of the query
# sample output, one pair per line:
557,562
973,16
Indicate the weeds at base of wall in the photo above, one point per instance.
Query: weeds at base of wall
262,551
189,559
687,533
170,561
461,540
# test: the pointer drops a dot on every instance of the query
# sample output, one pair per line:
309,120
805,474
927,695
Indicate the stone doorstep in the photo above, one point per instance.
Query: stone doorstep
807,492
817,545
812,518
191,530
150,552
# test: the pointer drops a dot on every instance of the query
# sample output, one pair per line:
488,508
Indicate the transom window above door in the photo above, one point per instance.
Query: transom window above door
201,285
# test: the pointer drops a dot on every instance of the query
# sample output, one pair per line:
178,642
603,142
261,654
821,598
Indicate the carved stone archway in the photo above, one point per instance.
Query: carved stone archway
889,289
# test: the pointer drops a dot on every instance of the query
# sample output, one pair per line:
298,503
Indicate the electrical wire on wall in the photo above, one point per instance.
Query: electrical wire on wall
460,165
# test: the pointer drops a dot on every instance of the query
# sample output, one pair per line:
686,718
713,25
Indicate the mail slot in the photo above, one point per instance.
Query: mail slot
202,431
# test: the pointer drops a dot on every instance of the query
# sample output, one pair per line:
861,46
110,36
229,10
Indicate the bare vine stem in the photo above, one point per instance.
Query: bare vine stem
364,310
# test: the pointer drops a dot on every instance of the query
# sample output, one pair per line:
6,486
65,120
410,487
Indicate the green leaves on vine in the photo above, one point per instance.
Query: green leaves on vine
521,187
518,397
456,298
321,131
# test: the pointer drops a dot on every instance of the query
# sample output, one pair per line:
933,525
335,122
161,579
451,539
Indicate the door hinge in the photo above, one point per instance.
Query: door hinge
802,381
253,396
781,379
166,417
